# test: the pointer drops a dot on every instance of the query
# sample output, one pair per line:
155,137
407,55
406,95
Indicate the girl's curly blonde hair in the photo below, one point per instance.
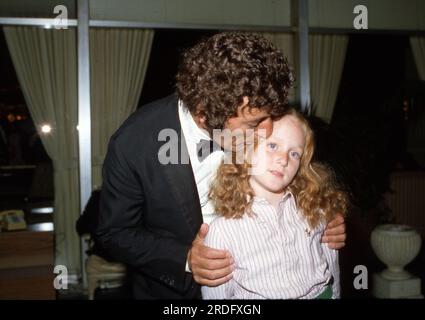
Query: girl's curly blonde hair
314,187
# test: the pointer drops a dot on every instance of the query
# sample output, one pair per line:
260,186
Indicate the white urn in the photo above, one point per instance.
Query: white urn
396,246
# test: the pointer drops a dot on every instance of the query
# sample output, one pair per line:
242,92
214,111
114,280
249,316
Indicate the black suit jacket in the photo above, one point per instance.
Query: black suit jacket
150,212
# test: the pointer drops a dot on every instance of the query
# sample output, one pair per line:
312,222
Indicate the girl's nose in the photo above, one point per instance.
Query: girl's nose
282,158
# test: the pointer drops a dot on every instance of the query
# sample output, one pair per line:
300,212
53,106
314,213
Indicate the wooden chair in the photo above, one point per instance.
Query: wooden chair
103,274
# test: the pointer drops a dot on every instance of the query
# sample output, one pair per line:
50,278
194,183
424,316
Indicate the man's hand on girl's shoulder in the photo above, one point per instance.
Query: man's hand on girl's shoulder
334,234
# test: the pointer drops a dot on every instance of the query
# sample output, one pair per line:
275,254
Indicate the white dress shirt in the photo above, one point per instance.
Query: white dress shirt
204,172
277,255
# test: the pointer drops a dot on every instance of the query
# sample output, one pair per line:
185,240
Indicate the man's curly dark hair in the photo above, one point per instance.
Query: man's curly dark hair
218,72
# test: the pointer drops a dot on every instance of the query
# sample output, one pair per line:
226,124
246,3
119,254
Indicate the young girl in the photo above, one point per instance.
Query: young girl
272,214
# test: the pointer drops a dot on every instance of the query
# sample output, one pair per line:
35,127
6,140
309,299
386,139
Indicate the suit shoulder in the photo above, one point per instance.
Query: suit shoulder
147,121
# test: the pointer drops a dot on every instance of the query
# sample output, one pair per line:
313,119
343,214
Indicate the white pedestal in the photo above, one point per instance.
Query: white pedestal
396,289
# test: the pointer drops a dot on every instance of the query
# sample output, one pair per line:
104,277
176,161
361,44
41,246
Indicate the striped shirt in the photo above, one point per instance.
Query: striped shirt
277,255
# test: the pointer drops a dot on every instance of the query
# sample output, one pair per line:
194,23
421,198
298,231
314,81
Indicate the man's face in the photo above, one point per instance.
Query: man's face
243,127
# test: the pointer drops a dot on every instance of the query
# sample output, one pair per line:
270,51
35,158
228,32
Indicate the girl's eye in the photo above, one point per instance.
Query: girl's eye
295,155
272,146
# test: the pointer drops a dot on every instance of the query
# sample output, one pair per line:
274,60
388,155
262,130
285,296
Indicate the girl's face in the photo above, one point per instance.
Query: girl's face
277,159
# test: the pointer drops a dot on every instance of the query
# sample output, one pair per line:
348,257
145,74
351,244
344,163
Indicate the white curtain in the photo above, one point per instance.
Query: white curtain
326,57
46,64
119,59
418,49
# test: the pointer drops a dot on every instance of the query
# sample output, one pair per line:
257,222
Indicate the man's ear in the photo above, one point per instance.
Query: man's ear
200,117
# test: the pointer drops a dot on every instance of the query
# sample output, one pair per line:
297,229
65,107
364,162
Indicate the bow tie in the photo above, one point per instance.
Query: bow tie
205,147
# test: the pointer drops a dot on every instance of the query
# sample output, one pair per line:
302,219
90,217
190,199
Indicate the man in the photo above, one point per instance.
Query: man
151,213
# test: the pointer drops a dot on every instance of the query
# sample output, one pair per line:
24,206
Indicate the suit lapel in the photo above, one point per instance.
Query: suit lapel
181,179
